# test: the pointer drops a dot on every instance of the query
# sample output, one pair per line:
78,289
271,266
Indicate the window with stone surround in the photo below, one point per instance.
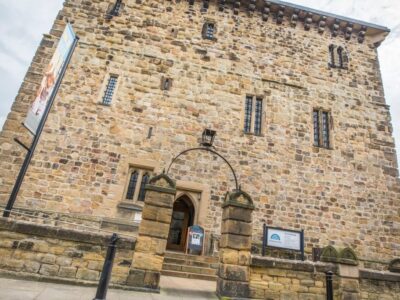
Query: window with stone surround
138,178
338,57
322,128
253,112
110,90
209,31
166,83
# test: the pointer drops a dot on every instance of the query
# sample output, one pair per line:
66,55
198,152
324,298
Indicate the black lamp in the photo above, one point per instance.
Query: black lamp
207,138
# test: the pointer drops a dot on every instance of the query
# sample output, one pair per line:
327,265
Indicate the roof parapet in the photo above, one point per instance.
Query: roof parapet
279,11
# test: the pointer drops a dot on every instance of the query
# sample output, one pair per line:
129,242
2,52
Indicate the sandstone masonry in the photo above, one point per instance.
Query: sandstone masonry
346,196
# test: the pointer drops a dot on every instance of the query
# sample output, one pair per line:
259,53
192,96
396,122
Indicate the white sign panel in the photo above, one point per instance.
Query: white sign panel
284,239
50,78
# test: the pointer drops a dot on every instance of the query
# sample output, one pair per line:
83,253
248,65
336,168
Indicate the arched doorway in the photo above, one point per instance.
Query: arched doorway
182,218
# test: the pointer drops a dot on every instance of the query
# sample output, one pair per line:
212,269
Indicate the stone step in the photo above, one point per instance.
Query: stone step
189,269
188,275
199,258
178,261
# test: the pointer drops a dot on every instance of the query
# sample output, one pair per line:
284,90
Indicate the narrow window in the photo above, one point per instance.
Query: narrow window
321,121
132,185
142,192
208,31
248,113
316,127
332,55
166,83
109,92
117,8
258,117
325,129
343,58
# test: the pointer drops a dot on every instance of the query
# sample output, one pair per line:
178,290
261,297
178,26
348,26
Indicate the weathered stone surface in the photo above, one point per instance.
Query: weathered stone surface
236,227
86,274
49,270
67,272
155,213
234,241
154,229
234,213
234,272
286,175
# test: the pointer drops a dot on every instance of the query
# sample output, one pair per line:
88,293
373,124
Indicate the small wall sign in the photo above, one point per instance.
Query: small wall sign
283,239
195,239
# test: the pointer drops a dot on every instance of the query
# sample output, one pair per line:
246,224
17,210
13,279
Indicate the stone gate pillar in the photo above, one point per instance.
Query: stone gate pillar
235,246
153,234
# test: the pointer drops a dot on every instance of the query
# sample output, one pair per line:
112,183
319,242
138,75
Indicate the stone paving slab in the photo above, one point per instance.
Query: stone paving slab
171,288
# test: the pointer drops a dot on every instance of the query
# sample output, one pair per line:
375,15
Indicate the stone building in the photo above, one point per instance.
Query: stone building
295,96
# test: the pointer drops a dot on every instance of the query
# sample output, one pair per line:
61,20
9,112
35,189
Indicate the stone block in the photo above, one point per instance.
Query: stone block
63,261
159,199
49,270
31,267
158,214
236,213
153,229
144,279
234,272
86,274
244,258
147,261
236,227
233,241
349,285
229,256
234,289
348,271
48,259
151,245
67,272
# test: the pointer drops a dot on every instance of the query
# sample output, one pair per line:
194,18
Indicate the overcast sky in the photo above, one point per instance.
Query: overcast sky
22,23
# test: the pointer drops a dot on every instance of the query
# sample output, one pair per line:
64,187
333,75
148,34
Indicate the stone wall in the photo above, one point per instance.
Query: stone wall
347,195
43,252
275,279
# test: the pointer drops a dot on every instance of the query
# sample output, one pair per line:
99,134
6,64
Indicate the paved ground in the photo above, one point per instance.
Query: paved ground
171,288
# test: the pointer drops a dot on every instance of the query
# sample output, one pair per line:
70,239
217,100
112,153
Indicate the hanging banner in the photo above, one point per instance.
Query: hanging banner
50,78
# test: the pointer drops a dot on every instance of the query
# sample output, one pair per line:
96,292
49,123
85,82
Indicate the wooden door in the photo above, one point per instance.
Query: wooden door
179,227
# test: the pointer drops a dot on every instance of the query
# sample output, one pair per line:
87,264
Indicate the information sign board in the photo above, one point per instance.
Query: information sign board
283,239
195,238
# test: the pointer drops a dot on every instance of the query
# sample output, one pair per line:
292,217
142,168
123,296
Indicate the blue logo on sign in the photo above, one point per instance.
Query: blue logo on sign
275,237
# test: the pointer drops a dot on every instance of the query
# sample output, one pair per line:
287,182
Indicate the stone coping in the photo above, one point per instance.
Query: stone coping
293,265
379,275
33,229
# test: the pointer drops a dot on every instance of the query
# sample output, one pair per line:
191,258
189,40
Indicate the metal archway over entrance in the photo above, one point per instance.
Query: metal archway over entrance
208,150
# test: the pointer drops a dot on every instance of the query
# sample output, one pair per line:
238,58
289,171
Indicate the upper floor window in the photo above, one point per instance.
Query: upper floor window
321,120
138,179
209,31
110,89
338,57
253,112
166,83
116,8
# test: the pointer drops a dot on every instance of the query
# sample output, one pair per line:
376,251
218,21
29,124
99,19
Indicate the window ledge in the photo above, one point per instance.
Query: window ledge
103,104
253,134
129,206
323,148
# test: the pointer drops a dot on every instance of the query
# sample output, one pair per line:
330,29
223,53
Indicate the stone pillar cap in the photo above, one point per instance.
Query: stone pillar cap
238,198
